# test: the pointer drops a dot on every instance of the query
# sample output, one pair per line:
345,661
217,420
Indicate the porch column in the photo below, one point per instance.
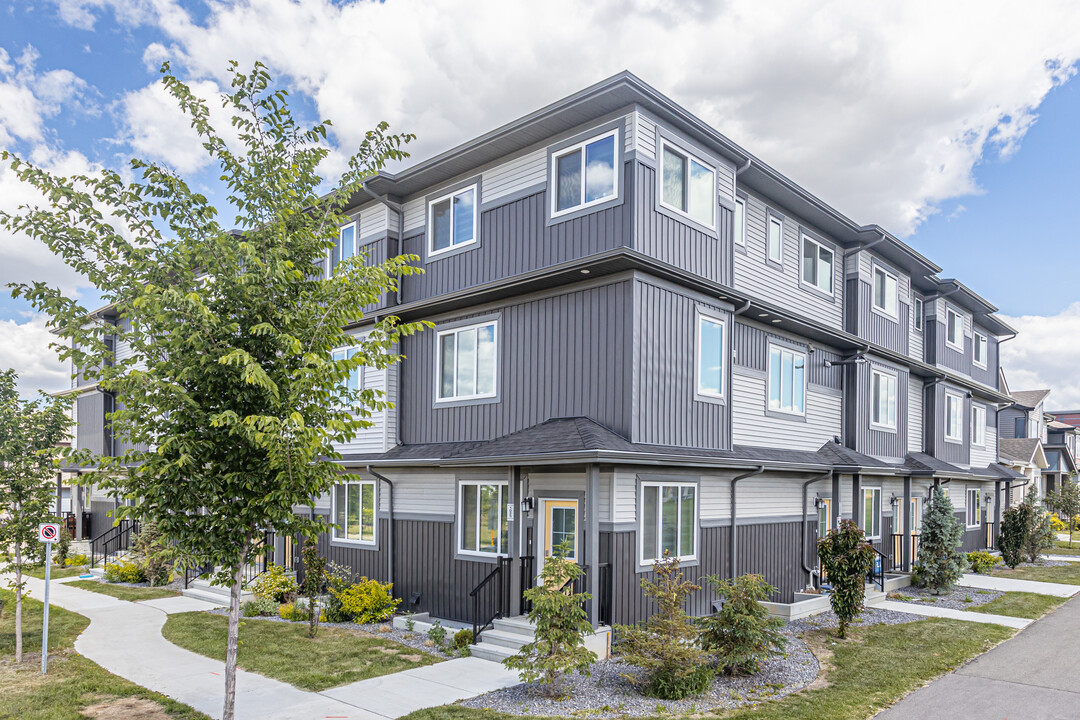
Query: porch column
77,507
856,500
837,509
906,564
1008,493
592,541
997,510
59,492
515,540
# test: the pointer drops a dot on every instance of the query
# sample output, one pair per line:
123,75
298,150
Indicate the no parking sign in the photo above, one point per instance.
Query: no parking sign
48,532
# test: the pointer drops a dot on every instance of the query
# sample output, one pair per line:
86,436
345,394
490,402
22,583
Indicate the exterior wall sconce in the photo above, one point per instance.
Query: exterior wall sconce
527,505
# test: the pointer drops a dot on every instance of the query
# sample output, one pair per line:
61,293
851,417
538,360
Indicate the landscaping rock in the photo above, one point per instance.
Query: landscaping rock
959,598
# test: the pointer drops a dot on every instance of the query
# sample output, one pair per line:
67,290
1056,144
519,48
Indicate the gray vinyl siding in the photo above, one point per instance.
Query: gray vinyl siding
916,348
92,434
915,414
869,440
878,328
101,518
562,355
667,410
988,375
1007,422
983,456
940,352
950,452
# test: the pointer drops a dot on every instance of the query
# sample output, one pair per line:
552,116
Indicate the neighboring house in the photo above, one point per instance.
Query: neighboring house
1027,457
1034,443
648,340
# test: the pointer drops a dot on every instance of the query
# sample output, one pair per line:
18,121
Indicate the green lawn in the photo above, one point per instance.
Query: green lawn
1065,574
124,592
1062,548
1021,604
869,671
284,652
73,682
57,572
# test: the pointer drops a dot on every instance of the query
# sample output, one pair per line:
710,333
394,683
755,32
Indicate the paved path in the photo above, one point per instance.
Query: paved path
1031,677
1064,558
125,638
944,612
989,582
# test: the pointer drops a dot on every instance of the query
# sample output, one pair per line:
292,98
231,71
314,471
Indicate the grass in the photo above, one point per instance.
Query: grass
869,671
1064,574
284,652
73,683
57,572
124,592
1021,604
1062,548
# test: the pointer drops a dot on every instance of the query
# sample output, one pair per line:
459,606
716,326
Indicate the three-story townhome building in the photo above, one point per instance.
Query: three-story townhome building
649,342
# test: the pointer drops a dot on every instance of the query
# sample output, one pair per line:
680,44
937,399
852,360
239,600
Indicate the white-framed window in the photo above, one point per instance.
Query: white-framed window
355,380
978,425
886,292
710,356
824,517
872,513
787,380
343,249
355,512
483,523
978,349
817,265
584,174
954,329
917,313
740,221
954,417
883,386
668,521
467,364
974,510
688,185
453,221
775,239
916,514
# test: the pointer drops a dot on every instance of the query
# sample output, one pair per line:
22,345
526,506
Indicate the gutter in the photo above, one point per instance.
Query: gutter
734,525
390,533
866,245
396,208
806,486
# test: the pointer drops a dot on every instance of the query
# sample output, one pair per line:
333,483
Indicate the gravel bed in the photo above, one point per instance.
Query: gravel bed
959,598
869,616
1043,563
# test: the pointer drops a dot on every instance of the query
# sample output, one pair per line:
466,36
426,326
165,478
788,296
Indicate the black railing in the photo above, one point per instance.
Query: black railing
194,572
261,559
491,598
113,541
876,576
528,581
991,535
896,552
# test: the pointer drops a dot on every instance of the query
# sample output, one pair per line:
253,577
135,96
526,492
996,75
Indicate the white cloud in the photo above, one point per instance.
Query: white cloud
26,348
156,129
1044,355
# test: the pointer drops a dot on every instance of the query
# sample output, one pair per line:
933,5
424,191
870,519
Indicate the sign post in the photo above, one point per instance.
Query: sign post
48,533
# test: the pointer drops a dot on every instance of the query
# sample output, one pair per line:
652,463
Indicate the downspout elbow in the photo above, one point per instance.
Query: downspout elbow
390,523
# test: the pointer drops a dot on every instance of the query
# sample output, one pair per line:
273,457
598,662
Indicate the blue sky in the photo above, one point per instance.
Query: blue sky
913,116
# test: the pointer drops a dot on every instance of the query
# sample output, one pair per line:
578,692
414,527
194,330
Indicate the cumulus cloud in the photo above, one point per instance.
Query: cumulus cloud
26,349
1045,354
29,98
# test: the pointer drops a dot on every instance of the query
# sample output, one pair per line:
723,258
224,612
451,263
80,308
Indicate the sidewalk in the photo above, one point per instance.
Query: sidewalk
944,612
125,639
989,582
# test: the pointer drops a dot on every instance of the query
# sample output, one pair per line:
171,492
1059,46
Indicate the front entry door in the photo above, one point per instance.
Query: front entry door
558,523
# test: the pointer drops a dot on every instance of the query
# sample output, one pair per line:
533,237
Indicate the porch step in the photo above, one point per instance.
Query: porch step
874,597
895,581
512,640
490,651
203,590
519,625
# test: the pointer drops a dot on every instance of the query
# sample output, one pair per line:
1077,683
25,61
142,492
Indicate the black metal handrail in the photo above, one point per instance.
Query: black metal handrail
113,540
991,535
495,588
876,576
527,581
194,572
261,559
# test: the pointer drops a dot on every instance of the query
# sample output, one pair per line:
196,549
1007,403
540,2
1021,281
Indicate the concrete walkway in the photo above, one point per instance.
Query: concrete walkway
1064,558
1030,677
125,638
989,582
944,612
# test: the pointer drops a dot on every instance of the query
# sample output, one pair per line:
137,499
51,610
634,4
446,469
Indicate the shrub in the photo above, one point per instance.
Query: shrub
940,563
846,558
258,607
1015,524
437,634
666,645
275,584
77,560
63,546
338,579
287,611
1057,524
367,601
982,562
742,634
314,579
463,638
124,571
1039,537
158,556
558,645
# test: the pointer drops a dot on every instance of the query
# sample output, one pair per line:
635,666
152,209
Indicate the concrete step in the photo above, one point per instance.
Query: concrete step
489,651
874,597
203,594
203,590
511,640
519,625
895,581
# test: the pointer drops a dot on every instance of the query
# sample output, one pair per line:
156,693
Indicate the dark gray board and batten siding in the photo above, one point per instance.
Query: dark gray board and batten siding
934,426
750,345
891,334
861,436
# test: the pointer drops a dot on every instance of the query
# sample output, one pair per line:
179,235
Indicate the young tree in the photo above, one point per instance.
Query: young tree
940,563
231,399
846,558
1040,536
314,580
29,435
1016,523
561,626
742,633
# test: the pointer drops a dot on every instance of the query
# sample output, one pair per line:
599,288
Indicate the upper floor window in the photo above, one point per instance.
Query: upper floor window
355,380
354,512
1020,427
775,249
954,418
483,525
978,425
883,399
872,513
978,352
344,248
710,360
817,265
787,380
689,185
740,221
886,292
466,364
584,174
917,312
954,329
974,511
452,219
1034,427
668,521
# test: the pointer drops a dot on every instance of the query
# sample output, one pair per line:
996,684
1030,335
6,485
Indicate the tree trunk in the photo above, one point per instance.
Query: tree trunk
233,644
18,602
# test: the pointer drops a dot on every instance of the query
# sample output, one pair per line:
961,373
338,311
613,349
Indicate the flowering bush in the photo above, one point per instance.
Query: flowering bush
982,562
1057,524
275,584
367,601
124,571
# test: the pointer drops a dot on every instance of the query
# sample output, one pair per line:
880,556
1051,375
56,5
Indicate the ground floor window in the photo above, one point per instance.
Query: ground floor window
483,526
824,517
668,521
974,511
872,513
354,511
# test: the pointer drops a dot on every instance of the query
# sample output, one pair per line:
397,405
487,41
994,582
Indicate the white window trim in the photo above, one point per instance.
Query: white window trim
768,378
896,384
459,520
770,216
362,370
699,316
355,225
880,512
642,560
431,251
917,315
975,344
831,292
955,346
741,201
874,269
967,509
375,515
553,174
680,150
960,425
438,360
975,409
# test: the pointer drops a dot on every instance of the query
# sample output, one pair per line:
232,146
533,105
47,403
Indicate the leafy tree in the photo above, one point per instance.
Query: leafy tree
1040,537
29,435
1066,501
231,400
1016,523
314,580
742,634
561,622
157,555
940,563
846,558
667,645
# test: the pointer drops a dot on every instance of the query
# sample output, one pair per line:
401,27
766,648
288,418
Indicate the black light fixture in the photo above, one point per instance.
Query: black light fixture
527,505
